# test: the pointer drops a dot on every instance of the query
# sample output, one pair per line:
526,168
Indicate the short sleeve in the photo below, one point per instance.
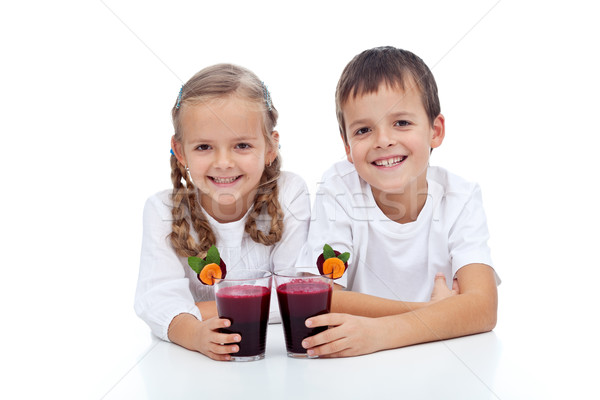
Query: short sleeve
469,235
330,224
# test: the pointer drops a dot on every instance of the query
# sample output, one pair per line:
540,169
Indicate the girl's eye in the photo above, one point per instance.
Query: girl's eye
243,146
203,147
401,123
361,131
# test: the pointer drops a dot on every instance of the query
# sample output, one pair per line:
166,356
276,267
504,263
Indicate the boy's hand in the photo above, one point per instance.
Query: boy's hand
440,289
348,335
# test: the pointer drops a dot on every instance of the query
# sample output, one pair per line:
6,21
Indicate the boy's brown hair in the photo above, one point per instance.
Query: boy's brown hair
396,68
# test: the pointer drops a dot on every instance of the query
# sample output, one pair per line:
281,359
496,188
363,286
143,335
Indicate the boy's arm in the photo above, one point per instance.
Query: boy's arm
472,311
372,306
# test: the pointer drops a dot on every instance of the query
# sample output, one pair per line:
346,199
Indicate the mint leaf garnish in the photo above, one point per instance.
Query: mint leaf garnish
196,263
344,257
328,252
212,255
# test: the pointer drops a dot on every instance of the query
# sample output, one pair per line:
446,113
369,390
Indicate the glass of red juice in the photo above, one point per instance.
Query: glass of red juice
302,293
244,297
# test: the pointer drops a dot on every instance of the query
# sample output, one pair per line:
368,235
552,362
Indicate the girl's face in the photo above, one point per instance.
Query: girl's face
225,150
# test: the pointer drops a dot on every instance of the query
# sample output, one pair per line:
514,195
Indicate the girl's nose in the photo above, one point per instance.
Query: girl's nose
224,159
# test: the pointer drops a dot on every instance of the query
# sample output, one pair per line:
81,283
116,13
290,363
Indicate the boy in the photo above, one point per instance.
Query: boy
404,223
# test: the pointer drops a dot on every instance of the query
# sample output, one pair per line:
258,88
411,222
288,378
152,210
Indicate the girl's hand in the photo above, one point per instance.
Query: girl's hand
214,344
440,290
204,336
348,335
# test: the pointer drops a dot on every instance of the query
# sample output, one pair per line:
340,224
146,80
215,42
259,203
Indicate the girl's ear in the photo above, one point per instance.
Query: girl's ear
178,151
272,152
439,131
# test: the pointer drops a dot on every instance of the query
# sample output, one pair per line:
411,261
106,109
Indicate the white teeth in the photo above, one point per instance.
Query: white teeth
224,180
389,162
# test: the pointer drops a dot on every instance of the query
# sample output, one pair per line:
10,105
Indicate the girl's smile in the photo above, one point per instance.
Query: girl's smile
224,147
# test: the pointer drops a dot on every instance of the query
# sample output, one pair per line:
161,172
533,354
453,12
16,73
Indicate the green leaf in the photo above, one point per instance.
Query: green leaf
328,252
212,256
344,257
196,263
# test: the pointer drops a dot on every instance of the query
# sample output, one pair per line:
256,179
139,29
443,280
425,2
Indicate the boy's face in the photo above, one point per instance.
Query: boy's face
390,138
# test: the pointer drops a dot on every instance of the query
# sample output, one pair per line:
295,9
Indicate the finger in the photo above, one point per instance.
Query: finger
219,357
440,279
222,349
331,319
331,348
328,336
455,286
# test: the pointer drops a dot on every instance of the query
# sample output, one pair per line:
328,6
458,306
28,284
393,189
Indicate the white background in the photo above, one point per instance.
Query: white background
86,93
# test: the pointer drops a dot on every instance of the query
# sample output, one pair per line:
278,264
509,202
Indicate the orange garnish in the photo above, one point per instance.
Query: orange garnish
334,266
209,273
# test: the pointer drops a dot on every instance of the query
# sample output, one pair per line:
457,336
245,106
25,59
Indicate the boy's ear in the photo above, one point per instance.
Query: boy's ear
439,131
347,148
178,151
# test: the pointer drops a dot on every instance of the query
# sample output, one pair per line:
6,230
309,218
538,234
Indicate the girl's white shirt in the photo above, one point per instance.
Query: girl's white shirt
167,286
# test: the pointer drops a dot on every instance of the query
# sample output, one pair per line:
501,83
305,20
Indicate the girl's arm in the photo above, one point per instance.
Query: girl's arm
208,309
473,310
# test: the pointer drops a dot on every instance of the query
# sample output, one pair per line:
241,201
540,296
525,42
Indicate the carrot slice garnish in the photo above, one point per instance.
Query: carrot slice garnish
334,266
209,273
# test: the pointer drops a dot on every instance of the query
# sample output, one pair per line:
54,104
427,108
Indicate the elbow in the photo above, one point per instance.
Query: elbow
490,315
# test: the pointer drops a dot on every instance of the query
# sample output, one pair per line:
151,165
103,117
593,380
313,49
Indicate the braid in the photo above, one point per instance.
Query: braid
185,203
267,196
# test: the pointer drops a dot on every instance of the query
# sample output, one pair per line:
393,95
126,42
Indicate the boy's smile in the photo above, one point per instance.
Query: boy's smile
389,142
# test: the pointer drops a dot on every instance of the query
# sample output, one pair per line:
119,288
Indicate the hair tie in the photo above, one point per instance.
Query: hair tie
179,98
267,96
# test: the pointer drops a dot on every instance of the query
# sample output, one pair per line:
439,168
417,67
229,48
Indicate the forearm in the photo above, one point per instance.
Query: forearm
208,309
455,316
370,306
183,330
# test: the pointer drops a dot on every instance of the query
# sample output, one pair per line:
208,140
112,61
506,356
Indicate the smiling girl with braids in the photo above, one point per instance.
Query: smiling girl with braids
228,191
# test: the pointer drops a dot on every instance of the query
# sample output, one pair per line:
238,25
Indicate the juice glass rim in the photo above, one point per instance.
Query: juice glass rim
288,273
266,274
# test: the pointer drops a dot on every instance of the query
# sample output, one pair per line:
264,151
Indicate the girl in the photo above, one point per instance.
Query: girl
228,190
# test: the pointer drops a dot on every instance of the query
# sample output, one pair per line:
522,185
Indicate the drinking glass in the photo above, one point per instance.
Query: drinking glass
243,297
302,293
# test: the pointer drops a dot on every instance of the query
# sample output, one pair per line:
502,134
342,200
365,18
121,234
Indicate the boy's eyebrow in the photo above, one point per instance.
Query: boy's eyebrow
367,121
363,121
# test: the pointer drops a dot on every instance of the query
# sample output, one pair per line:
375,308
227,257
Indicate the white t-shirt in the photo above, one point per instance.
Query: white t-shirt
392,260
167,286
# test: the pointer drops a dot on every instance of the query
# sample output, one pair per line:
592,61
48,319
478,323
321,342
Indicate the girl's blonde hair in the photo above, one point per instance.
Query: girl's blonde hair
219,81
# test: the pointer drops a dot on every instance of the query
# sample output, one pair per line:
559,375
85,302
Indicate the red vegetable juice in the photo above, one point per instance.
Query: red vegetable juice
247,307
298,300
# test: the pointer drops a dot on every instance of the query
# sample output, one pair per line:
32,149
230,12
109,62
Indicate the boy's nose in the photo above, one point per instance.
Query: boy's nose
384,138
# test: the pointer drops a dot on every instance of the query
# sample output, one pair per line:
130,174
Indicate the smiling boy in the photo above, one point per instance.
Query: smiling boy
403,222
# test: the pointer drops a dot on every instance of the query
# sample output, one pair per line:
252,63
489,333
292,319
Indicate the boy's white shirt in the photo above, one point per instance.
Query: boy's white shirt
167,286
392,260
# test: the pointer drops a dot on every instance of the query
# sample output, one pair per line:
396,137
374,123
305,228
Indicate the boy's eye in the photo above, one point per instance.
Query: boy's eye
401,123
243,146
203,147
361,131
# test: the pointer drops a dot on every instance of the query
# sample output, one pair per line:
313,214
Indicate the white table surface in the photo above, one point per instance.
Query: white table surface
472,367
